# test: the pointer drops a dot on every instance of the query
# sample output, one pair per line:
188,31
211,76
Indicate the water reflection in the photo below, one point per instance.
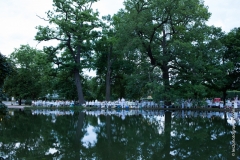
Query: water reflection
118,134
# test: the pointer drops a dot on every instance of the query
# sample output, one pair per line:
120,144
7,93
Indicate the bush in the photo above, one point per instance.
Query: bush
28,102
232,94
3,108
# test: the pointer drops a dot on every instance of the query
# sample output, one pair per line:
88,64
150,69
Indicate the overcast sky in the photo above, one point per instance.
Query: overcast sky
18,18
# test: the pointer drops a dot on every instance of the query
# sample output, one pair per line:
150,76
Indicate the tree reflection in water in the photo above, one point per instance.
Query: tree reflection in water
118,134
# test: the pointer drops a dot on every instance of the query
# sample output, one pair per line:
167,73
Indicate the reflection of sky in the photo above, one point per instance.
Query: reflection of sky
51,151
232,118
90,138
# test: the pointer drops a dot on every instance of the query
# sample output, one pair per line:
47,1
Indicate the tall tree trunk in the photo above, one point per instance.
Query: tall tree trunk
108,131
20,102
108,75
79,135
79,86
1,93
224,96
165,70
77,76
167,134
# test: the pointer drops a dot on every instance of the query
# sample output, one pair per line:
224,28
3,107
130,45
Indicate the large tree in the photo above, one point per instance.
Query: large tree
153,26
227,68
5,70
197,63
231,43
111,65
30,78
73,25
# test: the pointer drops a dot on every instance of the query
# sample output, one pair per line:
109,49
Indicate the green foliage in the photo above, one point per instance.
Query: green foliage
233,94
3,108
28,102
5,68
162,35
29,79
74,27
64,84
231,58
160,48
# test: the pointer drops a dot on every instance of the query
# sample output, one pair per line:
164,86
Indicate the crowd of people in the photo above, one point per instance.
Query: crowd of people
122,103
53,103
216,102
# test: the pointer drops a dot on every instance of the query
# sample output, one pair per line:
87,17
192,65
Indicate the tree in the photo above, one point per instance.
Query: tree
222,69
5,70
104,57
29,80
75,28
197,63
152,27
231,55
108,58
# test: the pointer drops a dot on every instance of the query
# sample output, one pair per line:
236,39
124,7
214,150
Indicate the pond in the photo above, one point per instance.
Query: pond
119,135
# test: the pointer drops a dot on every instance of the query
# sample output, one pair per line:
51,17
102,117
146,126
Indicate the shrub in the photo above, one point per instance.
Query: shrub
3,108
28,102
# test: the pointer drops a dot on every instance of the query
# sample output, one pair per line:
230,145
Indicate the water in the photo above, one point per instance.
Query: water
119,135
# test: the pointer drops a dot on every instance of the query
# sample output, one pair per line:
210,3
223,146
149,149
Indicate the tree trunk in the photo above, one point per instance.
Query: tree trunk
20,102
1,94
108,131
224,97
79,86
76,73
79,135
167,134
108,75
165,71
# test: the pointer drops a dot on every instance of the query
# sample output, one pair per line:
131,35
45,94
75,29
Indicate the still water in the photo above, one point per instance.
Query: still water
119,135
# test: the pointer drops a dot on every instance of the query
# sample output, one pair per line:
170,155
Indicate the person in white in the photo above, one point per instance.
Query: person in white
122,102
235,102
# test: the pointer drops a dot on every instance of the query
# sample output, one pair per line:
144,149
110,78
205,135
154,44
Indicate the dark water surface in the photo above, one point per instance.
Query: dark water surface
119,135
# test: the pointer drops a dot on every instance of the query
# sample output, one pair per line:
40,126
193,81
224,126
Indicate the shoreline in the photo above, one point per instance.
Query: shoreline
15,106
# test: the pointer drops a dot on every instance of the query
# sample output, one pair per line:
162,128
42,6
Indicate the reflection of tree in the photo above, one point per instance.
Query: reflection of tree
27,136
69,131
34,135
167,135
79,135
108,130
24,135
201,138
132,138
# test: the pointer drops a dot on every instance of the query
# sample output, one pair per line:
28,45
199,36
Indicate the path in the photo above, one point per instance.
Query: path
14,105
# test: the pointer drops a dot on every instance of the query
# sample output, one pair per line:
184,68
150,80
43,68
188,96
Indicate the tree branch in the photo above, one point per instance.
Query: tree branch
43,18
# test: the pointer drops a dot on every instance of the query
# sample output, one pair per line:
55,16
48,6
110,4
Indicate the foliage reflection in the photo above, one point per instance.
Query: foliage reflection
117,134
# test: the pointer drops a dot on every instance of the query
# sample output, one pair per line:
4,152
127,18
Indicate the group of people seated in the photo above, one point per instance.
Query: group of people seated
216,102
53,103
120,103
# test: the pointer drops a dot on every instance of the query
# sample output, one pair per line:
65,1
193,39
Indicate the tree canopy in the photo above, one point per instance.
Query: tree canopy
30,78
162,48
74,26
5,69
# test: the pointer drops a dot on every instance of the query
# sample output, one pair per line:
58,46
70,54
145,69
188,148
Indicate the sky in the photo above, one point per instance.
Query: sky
19,18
